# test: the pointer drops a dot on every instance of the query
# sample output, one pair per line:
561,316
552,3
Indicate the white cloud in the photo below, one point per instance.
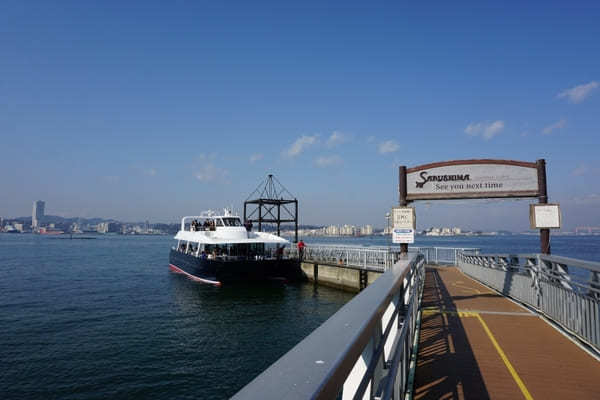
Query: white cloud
301,144
336,138
389,146
578,93
582,169
256,157
557,125
328,161
149,171
588,199
487,130
211,173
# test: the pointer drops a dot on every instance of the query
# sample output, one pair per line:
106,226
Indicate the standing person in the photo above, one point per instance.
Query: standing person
300,250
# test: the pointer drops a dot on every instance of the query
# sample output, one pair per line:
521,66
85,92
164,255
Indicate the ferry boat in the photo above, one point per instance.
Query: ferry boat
214,249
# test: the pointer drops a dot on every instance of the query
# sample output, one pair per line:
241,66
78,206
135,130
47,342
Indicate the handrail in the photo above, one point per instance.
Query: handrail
354,346
567,290
375,258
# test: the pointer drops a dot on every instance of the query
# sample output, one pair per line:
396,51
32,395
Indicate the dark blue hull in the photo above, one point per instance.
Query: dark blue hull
221,271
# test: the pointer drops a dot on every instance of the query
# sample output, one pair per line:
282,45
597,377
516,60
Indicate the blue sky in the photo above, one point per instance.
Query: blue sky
151,110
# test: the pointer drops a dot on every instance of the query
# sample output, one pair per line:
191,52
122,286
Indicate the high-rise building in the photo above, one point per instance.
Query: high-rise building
366,230
38,213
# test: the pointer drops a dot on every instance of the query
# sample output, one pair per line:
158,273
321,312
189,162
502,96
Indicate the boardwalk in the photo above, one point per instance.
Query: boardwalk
476,344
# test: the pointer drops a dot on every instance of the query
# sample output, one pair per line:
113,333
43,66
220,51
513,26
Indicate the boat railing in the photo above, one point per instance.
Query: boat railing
567,290
363,351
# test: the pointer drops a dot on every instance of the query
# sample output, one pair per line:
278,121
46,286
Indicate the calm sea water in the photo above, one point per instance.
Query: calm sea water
103,318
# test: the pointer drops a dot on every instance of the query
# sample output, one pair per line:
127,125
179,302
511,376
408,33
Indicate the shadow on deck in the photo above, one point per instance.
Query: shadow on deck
477,344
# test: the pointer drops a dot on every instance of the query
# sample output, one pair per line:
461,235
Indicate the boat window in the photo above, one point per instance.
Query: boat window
218,222
232,222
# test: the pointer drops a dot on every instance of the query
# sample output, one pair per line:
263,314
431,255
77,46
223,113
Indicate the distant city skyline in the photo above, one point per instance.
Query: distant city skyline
154,111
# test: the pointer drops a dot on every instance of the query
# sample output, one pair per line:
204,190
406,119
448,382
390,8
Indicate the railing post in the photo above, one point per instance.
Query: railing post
594,284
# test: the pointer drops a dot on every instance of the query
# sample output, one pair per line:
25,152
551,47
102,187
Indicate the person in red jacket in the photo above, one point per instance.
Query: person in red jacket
300,250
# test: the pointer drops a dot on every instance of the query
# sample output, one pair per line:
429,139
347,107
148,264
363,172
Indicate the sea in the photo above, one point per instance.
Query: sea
103,317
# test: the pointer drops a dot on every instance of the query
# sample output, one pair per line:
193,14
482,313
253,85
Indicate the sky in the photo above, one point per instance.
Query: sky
154,110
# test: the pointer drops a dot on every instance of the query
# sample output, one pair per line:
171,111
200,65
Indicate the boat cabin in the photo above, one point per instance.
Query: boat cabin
224,237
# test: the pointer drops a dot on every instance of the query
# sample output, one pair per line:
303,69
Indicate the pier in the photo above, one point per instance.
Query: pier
354,268
482,326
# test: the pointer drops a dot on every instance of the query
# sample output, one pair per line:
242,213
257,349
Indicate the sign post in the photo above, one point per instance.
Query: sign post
543,199
403,201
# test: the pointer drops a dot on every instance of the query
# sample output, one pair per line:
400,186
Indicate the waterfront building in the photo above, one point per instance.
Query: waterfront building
347,230
108,227
332,230
37,214
366,230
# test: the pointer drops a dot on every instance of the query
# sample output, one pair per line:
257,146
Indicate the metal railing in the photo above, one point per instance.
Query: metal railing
444,255
375,258
362,351
566,290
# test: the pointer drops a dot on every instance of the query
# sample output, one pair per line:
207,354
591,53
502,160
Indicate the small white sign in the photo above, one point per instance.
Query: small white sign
403,235
403,217
544,216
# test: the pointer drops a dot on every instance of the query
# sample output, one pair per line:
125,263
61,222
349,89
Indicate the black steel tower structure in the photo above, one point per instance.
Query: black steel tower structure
271,203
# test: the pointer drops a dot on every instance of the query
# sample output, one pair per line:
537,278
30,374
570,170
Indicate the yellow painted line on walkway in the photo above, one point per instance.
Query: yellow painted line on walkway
467,314
511,369
457,285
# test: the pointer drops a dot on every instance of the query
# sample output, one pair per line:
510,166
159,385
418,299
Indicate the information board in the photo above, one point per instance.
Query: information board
403,235
403,217
544,216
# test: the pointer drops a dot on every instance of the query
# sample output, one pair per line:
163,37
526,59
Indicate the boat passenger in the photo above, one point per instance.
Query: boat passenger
203,255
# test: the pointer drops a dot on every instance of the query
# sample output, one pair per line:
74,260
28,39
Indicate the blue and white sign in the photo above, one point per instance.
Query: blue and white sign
403,235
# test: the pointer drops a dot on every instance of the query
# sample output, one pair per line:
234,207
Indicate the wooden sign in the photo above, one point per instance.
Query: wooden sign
463,179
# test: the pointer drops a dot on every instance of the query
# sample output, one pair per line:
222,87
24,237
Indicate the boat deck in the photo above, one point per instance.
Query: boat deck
477,344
